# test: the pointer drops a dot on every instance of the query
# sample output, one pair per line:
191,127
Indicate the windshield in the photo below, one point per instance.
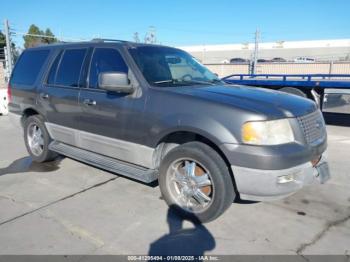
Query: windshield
165,66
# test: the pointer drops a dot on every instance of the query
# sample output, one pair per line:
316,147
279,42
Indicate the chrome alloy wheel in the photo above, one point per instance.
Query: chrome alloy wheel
190,185
35,139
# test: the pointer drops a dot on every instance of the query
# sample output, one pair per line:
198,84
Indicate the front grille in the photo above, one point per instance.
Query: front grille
313,126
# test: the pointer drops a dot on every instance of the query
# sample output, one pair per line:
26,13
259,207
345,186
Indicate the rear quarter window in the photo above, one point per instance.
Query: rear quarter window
28,67
53,70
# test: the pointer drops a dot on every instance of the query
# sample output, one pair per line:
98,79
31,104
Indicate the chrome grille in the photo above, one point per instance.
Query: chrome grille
313,126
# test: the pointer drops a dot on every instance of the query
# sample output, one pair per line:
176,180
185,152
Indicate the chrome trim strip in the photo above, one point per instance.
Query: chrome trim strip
63,134
121,168
123,150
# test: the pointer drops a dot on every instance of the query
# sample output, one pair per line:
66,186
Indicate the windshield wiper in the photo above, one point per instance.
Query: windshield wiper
217,81
165,81
188,82
199,82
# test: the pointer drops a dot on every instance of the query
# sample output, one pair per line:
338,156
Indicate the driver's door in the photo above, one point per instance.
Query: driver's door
110,121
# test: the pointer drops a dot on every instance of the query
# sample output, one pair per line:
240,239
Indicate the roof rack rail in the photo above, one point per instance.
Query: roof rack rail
108,40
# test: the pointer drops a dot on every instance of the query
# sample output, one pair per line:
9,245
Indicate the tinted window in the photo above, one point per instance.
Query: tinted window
53,70
28,67
69,70
105,60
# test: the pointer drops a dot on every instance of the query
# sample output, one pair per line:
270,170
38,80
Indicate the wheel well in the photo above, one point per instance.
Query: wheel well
178,138
181,137
27,113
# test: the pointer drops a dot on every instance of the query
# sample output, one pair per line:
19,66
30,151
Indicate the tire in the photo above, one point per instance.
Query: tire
208,161
44,154
293,91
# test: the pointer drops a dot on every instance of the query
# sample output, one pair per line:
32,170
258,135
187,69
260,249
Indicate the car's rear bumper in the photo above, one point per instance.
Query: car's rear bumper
262,185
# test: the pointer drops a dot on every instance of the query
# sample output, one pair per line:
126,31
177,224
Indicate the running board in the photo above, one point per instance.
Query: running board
116,166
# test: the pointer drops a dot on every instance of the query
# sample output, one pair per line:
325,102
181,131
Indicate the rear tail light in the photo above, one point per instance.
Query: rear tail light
9,93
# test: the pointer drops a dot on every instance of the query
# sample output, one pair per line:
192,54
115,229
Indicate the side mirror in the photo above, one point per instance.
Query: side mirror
115,81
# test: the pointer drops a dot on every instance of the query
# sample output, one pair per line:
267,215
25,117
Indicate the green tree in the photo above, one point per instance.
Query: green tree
35,37
2,39
31,39
50,37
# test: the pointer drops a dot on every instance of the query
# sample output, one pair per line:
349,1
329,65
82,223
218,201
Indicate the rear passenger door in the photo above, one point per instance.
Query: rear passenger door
59,96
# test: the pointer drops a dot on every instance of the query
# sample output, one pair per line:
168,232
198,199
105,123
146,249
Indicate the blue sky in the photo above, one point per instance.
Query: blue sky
184,22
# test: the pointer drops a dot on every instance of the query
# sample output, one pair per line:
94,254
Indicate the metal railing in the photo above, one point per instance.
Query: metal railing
287,68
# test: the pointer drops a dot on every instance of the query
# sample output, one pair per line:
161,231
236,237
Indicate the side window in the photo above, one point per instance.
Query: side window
105,60
70,66
52,74
28,67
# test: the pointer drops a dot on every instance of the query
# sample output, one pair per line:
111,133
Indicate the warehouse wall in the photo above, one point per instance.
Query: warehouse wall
282,68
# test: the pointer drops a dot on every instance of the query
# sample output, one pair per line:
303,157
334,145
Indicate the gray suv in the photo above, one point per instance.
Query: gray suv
152,112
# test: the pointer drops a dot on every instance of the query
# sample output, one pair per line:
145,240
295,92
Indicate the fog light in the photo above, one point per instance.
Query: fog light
285,179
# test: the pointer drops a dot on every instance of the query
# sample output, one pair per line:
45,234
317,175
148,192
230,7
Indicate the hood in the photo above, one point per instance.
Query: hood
271,103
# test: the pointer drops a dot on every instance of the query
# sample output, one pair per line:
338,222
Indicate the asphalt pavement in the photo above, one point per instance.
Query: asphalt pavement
68,207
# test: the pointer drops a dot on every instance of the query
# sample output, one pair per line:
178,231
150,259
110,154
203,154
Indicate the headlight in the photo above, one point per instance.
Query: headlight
273,132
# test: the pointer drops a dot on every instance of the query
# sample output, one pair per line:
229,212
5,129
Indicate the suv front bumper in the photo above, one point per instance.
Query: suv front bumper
261,185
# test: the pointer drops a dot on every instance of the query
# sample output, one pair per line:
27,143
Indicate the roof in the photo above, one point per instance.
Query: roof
93,42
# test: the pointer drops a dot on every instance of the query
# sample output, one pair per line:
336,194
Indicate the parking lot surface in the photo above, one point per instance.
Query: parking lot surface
67,207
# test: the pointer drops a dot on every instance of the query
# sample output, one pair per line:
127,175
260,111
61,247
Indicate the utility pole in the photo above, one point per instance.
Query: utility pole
256,49
9,59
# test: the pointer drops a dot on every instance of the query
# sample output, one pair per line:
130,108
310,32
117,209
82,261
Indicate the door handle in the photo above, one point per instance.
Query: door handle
44,95
89,102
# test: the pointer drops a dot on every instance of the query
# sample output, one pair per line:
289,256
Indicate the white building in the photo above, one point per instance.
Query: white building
321,50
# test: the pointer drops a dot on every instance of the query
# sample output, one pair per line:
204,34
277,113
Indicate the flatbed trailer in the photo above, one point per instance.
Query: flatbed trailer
331,92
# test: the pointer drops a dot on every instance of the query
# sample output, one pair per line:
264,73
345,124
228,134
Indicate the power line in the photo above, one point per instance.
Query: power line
35,35
51,37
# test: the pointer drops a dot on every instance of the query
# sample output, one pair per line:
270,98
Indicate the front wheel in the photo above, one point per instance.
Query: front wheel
195,180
